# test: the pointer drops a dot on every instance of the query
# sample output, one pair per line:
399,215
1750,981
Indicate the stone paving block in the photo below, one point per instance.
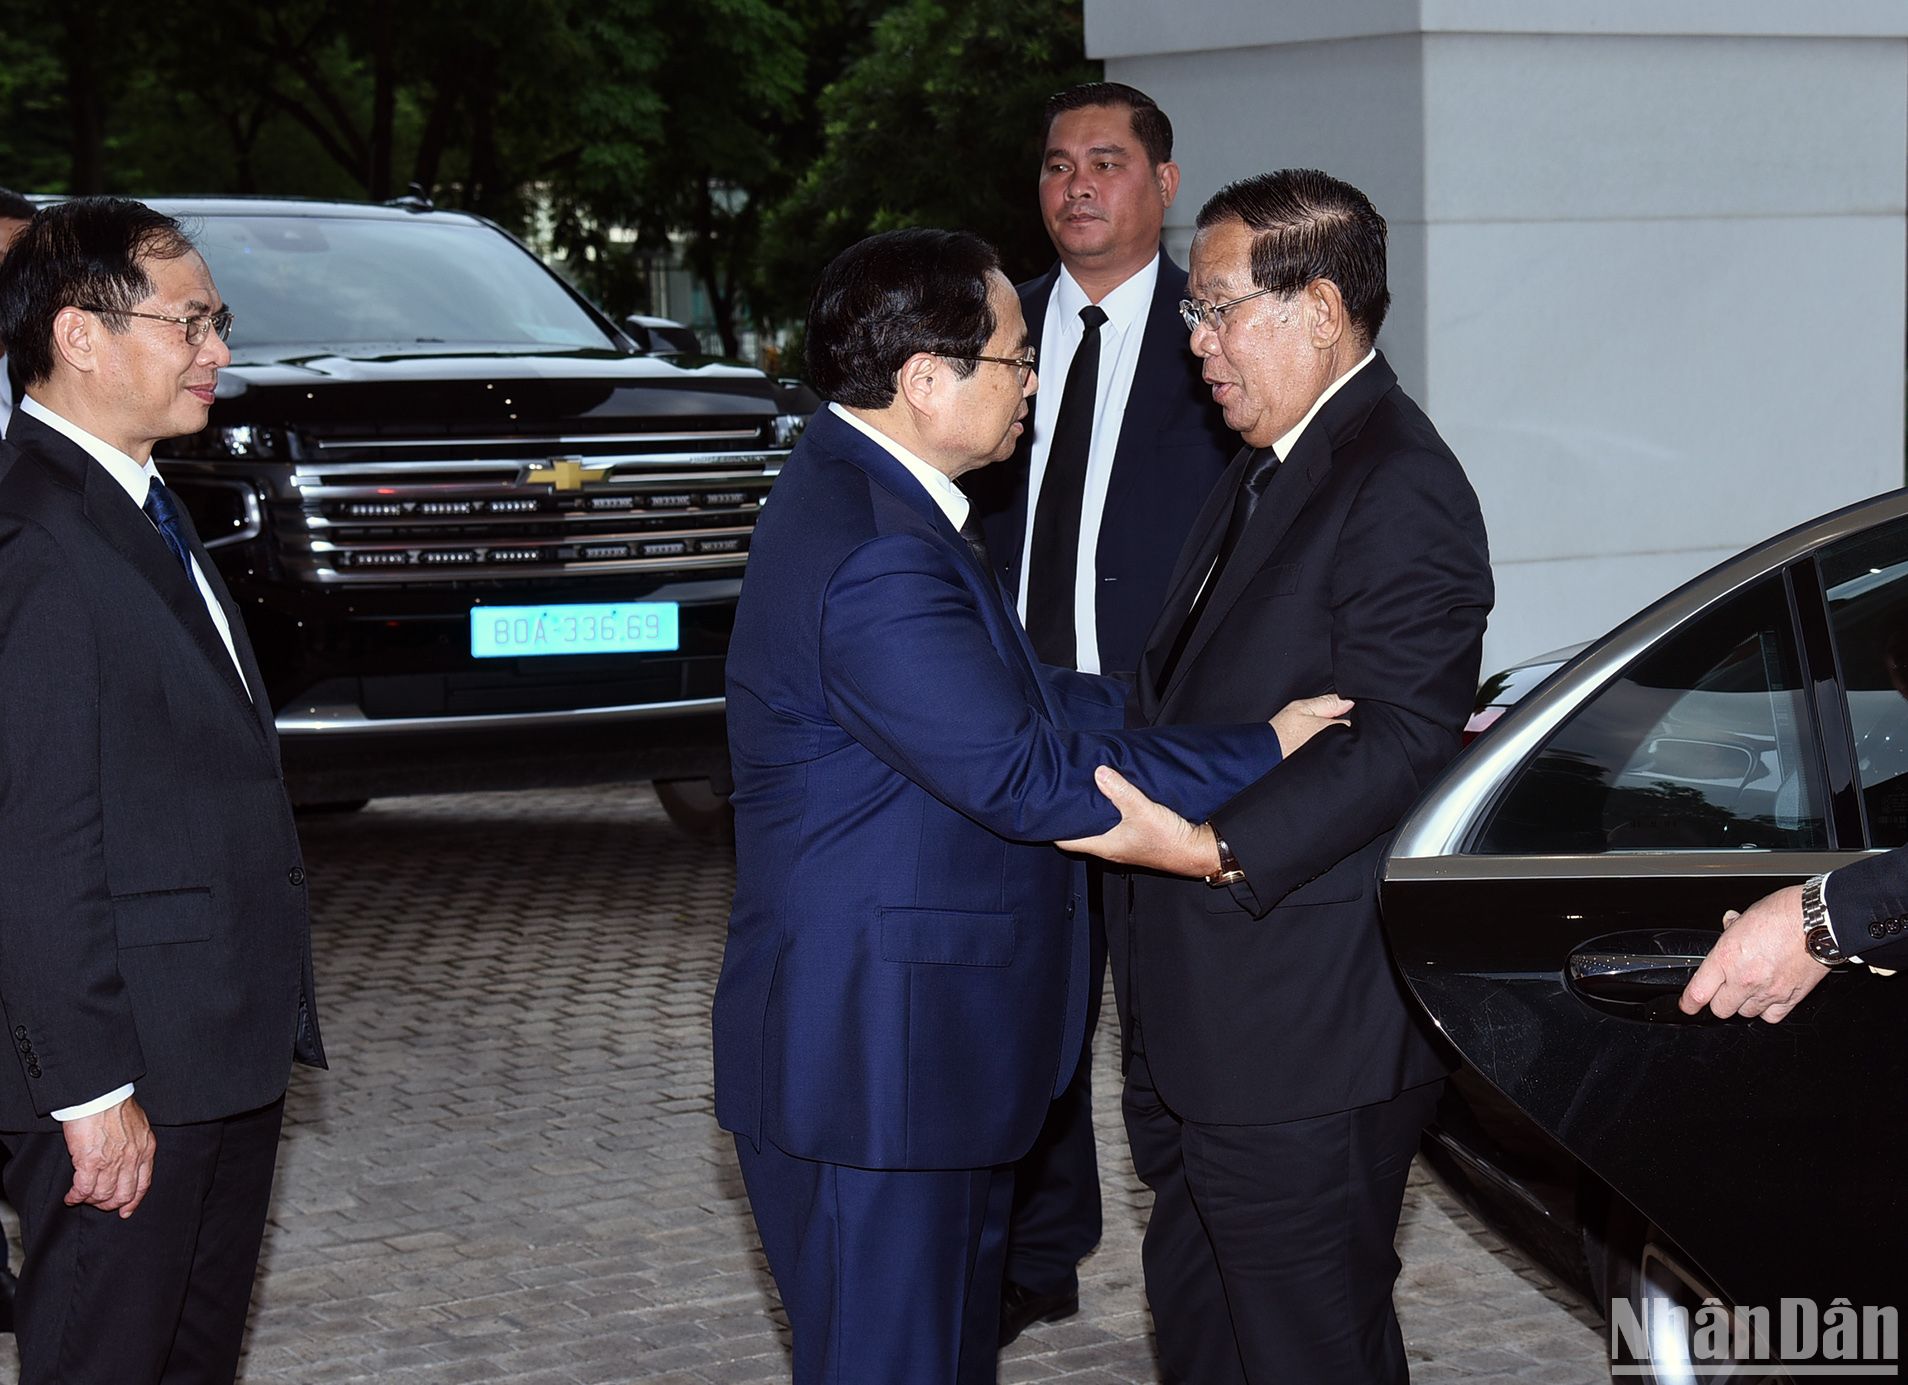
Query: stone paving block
512,1173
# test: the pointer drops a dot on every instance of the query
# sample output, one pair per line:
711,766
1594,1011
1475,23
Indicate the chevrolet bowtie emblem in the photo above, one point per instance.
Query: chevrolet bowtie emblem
565,474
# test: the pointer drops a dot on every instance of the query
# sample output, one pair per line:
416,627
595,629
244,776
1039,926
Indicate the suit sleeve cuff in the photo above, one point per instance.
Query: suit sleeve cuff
93,1107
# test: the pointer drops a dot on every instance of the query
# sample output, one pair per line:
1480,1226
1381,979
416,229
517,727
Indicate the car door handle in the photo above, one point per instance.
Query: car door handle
1631,976
1641,975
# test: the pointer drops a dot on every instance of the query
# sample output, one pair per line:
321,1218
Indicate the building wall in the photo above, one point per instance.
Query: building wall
1648,280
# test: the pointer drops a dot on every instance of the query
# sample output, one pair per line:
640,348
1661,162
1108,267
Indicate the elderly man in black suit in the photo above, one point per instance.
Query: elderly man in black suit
1125,443
155,952
1277,1076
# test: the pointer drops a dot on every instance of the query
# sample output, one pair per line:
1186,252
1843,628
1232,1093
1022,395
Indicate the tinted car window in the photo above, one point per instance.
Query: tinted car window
337,281
1704,743
1866,578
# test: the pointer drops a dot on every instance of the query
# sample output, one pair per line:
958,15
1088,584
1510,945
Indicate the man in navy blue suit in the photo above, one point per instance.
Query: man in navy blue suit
904,987
1125,445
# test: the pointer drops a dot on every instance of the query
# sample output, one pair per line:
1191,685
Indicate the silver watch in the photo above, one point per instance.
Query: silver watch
1816,933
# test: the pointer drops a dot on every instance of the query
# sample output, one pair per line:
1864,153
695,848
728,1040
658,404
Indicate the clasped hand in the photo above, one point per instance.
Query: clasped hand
1153,836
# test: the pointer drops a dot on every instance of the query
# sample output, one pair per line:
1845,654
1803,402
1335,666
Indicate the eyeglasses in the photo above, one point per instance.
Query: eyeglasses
196,327
1197,313
1023,364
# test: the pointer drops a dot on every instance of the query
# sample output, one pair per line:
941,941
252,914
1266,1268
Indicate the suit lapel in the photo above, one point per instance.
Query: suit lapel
846,441
1299,476
1195,561
241,643
111,512
129,531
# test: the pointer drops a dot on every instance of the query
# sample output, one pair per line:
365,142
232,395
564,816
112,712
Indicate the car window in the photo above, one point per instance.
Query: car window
1866,579
345,282
1705,743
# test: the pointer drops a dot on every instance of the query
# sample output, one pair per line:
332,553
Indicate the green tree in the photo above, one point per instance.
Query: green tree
936,124
706,93
752,138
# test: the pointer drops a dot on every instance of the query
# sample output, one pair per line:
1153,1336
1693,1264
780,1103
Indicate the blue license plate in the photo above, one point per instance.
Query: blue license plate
613,627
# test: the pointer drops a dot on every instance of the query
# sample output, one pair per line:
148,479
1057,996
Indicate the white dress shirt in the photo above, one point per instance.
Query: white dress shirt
136,478
1126,308
940,487
6,395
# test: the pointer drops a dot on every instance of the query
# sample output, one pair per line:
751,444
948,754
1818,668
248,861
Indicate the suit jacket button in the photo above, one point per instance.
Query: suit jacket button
1069,908
296,875
19,1031
33,1069
1877,930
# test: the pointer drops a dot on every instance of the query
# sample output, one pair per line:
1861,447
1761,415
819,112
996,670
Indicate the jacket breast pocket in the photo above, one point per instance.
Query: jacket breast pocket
948,937
1275,579
167,916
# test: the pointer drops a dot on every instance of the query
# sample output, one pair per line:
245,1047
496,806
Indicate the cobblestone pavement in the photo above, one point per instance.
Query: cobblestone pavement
512,1172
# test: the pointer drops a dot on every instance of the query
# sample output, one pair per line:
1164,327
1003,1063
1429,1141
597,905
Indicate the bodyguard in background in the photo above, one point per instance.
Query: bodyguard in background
155,954
1125,444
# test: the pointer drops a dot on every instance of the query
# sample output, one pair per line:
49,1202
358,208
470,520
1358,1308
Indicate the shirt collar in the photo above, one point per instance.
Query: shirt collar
1283,447
940,487
133,477
1123,307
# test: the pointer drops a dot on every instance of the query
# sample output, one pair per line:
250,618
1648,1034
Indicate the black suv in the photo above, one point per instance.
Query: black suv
480,538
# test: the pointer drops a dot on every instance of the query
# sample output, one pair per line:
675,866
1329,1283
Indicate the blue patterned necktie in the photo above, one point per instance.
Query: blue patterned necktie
163,511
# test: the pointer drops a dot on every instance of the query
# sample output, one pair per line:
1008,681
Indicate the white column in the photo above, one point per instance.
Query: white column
1647,256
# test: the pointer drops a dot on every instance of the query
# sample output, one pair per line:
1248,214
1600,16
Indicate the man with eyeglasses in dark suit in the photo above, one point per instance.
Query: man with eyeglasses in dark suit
155,951
1278,1076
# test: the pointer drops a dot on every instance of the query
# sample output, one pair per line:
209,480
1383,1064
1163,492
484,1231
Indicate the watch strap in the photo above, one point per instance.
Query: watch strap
1230,872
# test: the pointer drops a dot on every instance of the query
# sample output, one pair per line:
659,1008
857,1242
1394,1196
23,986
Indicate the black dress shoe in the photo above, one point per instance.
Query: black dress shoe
1021,1308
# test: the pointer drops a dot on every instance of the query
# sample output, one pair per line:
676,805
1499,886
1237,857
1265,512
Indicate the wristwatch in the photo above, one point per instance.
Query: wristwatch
1230,872
1816,933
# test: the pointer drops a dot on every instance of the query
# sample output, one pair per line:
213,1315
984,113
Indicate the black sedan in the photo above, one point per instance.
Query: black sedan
1551,896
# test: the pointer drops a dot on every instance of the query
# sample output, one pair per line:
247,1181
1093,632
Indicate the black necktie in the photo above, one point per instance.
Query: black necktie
1260,470
1053,556
163,511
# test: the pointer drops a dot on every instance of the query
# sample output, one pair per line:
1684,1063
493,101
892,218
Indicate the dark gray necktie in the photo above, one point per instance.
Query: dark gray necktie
1053,554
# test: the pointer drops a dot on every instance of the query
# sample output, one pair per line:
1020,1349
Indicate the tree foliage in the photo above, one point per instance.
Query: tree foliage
937,124
751,139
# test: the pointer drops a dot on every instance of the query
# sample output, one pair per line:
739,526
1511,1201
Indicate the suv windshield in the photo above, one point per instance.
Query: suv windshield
341,283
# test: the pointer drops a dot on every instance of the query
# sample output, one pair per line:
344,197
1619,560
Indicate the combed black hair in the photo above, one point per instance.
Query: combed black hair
1310,226
884,298
89,252
14,207
1150,125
